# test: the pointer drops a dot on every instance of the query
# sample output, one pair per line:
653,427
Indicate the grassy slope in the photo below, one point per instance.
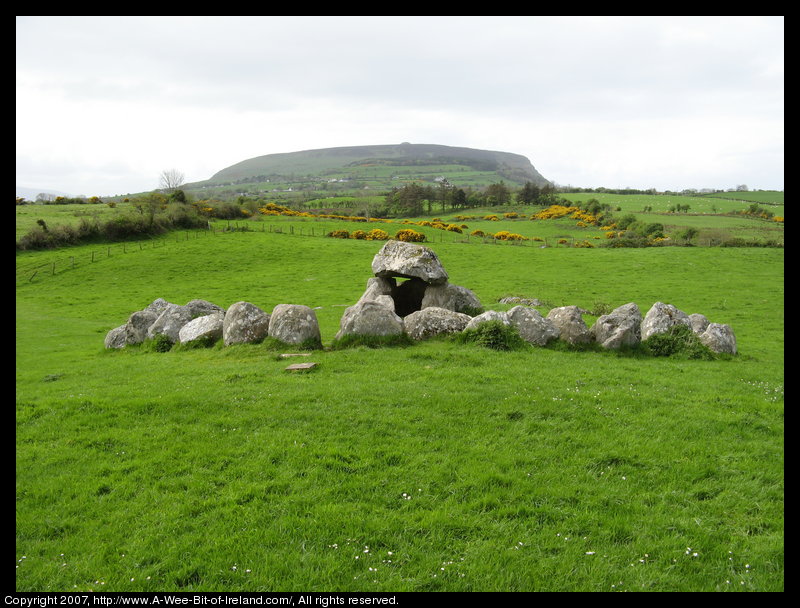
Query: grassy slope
542,470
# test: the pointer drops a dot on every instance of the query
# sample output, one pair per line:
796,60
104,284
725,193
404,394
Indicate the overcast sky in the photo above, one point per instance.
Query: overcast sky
104,104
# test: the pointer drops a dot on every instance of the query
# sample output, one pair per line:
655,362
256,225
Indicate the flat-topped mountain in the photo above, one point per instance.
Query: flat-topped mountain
381,164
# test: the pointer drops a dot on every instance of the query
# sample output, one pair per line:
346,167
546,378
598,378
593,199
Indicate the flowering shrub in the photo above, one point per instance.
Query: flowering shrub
409,236
505,235
478,233
358,234
554,212
376,234
339,234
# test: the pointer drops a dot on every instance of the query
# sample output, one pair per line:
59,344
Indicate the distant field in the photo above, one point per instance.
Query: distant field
705,213
767,197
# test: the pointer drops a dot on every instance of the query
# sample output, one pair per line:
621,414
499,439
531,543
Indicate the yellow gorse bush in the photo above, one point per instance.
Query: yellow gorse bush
409,236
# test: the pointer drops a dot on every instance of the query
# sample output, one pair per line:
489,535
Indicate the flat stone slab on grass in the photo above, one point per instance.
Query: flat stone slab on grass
301,367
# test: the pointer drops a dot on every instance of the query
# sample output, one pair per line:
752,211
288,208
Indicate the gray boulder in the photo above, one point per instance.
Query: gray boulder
489,315
377,287
433,321
374,317
245,323
570,324
138,324
698,323
451,297
116,338
532,326
719,338
401,259
157,306
661,317
170,322
621,327
294,324
200,308
206,327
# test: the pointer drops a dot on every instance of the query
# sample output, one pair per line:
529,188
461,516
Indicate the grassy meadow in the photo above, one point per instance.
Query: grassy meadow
431,467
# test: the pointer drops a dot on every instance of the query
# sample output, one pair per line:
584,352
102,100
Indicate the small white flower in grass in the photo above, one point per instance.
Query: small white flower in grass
590,553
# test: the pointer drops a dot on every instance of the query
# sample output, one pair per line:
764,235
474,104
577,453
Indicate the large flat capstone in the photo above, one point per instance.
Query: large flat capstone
409,260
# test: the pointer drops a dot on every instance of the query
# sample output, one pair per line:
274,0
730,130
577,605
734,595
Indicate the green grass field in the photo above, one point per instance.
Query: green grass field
433,467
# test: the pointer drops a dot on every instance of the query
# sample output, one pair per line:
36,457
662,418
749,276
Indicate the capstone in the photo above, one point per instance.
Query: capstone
409,260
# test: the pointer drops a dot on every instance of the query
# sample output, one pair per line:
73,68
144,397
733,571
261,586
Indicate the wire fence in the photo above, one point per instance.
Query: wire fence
63,261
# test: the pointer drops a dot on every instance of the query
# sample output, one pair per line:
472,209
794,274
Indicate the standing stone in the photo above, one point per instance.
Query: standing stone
570,324
294,324
661,317
244,323
719,338
401,259
207,327
622,327
378,286
532,326
370,318
433,321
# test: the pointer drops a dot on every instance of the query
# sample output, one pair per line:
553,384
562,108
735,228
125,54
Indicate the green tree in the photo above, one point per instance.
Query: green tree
498,194
529,194
686,235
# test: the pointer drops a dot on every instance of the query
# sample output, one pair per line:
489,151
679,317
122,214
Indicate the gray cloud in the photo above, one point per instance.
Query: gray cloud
256,85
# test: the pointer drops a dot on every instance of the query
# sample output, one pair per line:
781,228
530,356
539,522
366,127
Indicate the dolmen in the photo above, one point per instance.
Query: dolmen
410,293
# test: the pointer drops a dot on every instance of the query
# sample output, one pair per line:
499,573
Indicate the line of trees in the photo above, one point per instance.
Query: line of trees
417,199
